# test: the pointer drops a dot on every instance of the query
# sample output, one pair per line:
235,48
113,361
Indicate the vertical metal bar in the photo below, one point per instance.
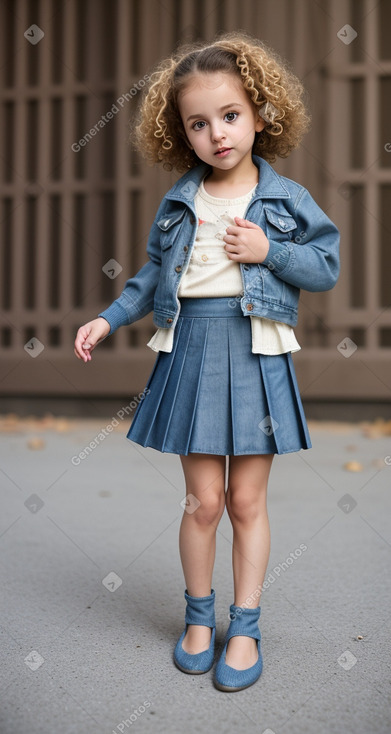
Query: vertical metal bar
371,164
123,244
246,13
301,54
338,130
67,213
18,269
230,15
91,237
42,275
147,183
189,15
165,23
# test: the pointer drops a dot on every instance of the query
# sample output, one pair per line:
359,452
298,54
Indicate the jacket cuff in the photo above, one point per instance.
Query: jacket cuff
116,316
278,256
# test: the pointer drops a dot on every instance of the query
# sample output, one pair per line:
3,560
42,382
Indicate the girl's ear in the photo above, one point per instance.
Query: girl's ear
260,123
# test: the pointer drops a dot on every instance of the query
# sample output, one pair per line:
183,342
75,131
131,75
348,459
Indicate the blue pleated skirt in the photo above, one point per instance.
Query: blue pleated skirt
213,395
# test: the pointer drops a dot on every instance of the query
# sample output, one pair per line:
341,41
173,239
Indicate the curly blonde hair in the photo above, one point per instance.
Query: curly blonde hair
157,131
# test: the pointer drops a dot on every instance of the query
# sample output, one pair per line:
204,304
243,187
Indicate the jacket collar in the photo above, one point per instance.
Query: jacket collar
270,184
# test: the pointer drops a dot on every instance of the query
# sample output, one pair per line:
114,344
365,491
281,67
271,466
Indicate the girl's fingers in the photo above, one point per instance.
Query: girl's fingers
247,223
230,239
87,337
234,231
80,356
81,343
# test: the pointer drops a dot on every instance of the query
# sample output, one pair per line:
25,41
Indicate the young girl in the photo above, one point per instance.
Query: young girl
230,247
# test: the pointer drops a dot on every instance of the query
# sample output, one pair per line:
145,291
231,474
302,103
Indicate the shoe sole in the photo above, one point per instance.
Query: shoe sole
228,689
193,672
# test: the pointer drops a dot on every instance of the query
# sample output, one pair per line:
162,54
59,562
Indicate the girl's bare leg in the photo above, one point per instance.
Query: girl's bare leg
247,509
205,479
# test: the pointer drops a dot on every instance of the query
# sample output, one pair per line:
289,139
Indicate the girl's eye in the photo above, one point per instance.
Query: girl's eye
229,116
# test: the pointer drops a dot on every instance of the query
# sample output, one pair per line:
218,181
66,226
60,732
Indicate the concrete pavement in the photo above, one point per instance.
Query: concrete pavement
92,587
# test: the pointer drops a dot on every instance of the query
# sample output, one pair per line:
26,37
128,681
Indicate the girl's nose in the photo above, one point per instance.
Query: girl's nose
216,134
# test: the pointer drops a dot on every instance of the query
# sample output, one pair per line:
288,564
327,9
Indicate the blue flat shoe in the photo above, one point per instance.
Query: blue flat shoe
243,622
199,610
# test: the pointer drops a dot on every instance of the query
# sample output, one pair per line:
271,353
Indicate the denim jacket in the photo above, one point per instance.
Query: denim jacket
303,252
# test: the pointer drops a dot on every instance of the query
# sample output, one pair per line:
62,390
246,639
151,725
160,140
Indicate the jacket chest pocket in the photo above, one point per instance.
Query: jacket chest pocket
170,227
279,227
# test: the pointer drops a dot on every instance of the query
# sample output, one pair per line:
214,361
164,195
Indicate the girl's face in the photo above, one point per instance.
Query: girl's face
220,120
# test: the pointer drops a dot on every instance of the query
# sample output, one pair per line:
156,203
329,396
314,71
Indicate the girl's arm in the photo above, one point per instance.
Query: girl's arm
135,301
311,259
137,297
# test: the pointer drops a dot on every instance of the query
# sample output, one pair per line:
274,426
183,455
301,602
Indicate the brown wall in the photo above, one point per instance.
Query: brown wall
65,212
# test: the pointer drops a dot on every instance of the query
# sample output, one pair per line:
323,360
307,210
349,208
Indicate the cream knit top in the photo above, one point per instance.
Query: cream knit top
211,273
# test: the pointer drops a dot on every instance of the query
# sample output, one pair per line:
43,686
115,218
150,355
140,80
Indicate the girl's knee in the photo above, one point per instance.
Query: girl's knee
205,480
210,508
245,503
247,486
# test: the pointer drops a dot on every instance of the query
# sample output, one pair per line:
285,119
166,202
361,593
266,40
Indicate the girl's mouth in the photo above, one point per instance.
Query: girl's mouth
223,152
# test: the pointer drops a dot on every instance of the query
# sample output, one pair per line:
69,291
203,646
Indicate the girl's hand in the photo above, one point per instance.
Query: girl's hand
88,336
246,243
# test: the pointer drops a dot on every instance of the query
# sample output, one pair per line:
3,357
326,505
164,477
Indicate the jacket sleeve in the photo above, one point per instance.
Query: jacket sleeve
137,297
311,260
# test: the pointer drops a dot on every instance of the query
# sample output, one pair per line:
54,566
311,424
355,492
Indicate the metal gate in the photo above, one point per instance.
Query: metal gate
75,197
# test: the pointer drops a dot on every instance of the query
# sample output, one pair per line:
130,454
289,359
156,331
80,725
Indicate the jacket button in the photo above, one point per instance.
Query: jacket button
185,249
169,321
178,268
249,307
